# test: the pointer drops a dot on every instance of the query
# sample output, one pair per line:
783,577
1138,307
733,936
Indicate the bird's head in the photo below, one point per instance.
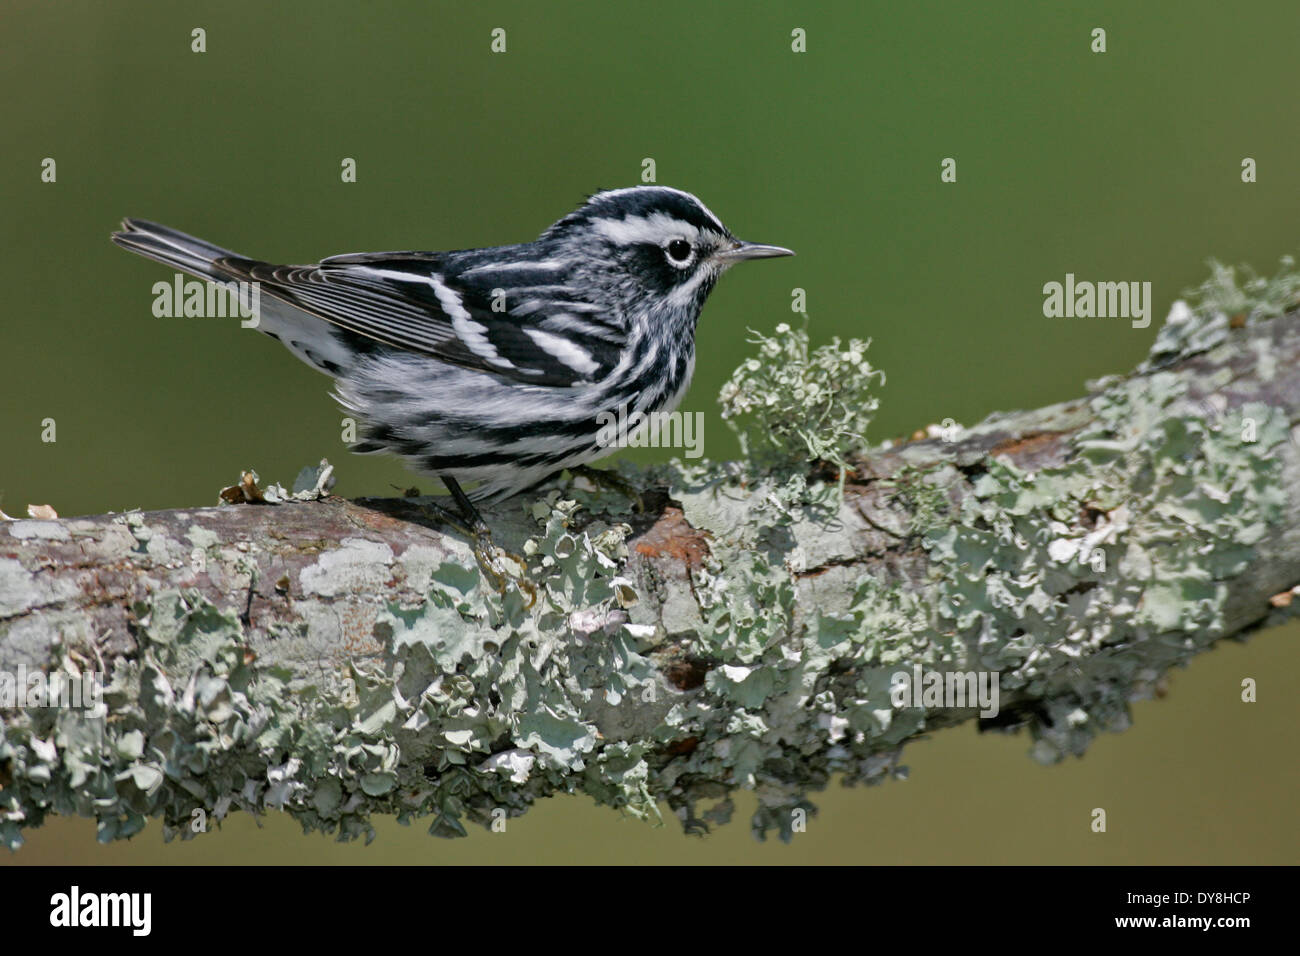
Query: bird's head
662,242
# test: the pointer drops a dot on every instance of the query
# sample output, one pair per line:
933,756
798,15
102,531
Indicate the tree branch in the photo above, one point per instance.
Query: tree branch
338,658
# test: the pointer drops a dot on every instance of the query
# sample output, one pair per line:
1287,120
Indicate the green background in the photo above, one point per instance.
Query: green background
1117,166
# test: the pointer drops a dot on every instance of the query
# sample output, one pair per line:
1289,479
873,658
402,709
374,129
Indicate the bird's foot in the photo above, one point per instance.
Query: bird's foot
503,568
500,567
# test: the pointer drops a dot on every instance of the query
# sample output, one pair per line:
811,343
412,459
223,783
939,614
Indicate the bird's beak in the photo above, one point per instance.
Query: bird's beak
750,250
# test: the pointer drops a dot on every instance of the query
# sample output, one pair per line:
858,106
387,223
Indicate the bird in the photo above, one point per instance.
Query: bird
492,367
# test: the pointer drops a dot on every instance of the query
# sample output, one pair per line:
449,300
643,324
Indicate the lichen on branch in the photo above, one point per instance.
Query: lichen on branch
337,659
789,406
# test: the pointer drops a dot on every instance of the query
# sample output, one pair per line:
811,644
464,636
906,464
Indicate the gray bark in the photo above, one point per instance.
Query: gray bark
338,658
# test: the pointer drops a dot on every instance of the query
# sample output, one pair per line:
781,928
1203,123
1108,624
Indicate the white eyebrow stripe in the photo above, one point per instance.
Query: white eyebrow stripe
655,228
564,350
668,189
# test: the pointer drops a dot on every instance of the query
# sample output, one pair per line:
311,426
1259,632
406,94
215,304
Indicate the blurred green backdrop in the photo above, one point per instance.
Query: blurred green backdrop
1124,165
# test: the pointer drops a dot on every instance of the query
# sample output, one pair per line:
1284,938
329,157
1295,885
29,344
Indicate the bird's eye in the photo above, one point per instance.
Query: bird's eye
679,251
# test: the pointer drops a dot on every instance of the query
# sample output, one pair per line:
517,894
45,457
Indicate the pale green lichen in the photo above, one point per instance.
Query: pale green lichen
1033,574
473,682
791,406
1204,319
1252,297
1135,537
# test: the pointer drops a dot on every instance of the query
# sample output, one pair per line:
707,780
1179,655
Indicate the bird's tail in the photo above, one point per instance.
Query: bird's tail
307,336
172,248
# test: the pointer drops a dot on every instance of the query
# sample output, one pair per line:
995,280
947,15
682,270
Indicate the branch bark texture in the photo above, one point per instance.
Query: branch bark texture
337,659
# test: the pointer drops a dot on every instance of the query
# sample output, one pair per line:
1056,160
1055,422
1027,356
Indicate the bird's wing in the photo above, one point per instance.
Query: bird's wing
520,319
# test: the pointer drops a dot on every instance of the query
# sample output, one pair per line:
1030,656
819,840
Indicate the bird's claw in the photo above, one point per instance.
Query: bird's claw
493,563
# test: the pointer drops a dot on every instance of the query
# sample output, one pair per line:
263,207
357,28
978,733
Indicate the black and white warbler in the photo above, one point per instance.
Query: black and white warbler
492,366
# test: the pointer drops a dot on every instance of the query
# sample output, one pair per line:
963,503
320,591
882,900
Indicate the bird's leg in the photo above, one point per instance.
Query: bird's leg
448,518
465,525
471,524
611,479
